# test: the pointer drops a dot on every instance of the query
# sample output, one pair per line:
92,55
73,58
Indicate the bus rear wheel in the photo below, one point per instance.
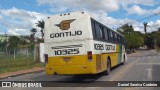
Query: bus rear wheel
124,60
108,67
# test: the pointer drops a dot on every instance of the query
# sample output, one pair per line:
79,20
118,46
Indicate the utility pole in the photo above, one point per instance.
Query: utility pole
6,35
155,42
145,27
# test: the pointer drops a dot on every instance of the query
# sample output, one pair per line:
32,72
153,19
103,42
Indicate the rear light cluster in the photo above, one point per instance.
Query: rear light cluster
89,53
46,58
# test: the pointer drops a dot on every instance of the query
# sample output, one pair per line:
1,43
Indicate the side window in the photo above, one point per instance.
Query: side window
93,29
103,34
98,32
115,36
119,39
122,40
111,36
106,36
113,33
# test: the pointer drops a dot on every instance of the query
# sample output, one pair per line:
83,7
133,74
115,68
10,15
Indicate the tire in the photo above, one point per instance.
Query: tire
124,60
108,67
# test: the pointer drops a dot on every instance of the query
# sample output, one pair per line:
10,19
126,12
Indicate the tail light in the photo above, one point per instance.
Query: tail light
89,53
46,58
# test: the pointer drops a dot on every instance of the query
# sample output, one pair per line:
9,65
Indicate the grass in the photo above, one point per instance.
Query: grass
11,57
21,63
5,70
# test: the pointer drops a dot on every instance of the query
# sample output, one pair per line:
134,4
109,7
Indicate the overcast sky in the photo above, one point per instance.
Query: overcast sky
17,17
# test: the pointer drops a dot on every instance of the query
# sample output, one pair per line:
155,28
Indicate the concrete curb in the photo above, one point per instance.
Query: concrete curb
21,72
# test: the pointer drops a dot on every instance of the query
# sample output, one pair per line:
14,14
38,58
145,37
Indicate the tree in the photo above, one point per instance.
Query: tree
32,35
156,38
33,31
2,45
152,40
148,40
134,39
40,24
24,41
126,29
13,42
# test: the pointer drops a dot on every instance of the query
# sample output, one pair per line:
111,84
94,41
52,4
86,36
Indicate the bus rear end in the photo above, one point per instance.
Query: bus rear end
66,43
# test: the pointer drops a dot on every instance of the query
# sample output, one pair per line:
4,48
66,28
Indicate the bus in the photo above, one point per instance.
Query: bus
75,43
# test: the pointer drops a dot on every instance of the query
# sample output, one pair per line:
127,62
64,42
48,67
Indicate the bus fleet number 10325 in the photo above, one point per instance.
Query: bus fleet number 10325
67,51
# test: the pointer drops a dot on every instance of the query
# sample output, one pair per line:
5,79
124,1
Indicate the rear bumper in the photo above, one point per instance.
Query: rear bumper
70,70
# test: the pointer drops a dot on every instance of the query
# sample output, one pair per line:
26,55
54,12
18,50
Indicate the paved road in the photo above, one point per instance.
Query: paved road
141,66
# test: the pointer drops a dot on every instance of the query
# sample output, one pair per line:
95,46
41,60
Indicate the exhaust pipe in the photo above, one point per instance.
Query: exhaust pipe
55,73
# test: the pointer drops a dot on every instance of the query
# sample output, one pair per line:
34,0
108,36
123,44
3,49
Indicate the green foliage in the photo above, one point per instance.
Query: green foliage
126,29
18,64
24,40
134,39
40,24
13,42
152,39
2,45
149,40
156,37
33,31
32,35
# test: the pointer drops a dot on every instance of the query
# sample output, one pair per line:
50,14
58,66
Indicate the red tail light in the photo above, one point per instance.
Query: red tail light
89,55
46,58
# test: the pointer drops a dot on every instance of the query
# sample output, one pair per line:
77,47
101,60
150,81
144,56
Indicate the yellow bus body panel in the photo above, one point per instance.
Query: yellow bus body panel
57,65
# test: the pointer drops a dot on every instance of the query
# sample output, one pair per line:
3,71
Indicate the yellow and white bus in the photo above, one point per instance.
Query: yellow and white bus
75,43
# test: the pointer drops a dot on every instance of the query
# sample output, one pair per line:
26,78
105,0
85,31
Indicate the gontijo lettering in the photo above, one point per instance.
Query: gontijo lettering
65,34
104,47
